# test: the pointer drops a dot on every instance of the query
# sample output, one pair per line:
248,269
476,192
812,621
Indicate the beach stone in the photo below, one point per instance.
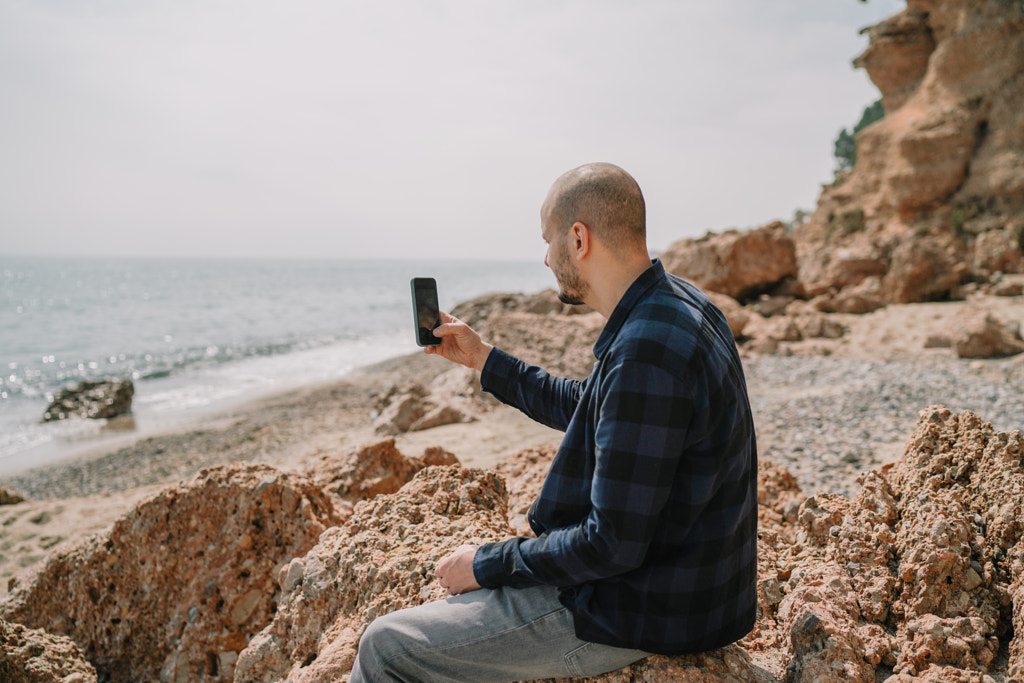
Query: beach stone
179,584
983,335
9,497
742,265
35,656
372,470
92,400
413,407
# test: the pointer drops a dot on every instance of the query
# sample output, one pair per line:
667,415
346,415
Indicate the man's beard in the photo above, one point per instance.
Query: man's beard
571,287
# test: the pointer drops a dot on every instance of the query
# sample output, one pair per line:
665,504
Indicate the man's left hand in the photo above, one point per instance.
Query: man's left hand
455,571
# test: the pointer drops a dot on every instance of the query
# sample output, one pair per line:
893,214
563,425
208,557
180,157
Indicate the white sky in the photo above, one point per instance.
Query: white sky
408,129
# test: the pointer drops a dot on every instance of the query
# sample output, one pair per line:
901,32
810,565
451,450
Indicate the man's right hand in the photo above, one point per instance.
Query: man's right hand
460,343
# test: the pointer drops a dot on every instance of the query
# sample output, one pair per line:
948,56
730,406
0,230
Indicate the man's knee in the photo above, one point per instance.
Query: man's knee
383,642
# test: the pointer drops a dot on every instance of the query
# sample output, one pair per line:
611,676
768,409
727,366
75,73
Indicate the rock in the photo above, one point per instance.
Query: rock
735,314
412,408
180,583
740,264
35,656
938,187
561,345
476,312
9,497
92,400
375,469
524,474
924,270
382,559
1008,289
982,335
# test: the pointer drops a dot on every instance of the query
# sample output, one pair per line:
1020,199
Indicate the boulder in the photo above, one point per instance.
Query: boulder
92,400
983,335
35,656
412,408
179,584
476,312
382,559
924,270
740,264
375,469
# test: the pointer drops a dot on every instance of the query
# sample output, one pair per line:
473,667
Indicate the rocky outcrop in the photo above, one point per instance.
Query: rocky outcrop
937,194
916,574
179,585
382,559
92,400
34,656
413,408
739,264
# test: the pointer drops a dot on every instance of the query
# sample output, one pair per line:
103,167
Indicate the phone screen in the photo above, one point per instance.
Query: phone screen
425,310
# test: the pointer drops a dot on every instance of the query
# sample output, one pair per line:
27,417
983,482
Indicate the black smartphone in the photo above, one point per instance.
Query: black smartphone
425,310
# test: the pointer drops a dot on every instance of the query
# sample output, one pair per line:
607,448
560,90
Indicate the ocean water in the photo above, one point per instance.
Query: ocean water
198,335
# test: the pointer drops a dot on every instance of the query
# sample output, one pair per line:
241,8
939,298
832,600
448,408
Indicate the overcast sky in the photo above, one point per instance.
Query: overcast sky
410,129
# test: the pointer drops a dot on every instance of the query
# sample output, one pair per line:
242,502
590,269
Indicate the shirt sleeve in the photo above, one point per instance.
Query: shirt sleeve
642,424
541,396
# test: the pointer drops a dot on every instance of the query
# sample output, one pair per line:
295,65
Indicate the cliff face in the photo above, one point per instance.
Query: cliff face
936,198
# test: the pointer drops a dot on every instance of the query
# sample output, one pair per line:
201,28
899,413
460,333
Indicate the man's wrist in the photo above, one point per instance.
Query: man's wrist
481,358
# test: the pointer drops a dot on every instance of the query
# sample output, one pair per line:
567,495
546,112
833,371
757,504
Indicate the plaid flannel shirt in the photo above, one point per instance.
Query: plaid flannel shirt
647,520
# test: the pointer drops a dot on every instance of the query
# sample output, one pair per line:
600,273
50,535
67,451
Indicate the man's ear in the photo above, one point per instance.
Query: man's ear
580,237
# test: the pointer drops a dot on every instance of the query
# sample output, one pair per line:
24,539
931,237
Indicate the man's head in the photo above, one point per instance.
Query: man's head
608,202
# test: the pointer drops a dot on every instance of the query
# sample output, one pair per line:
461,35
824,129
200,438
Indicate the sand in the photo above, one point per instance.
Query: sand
85,494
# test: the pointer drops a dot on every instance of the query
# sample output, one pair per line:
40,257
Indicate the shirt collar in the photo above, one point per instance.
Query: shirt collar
636,291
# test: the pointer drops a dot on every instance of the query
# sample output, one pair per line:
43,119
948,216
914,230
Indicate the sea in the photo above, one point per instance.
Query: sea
197,336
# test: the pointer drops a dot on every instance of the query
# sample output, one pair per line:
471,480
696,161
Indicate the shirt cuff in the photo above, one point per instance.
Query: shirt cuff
488,565
500,368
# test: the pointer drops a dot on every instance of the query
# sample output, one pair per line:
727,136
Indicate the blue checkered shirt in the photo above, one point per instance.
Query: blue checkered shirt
647,520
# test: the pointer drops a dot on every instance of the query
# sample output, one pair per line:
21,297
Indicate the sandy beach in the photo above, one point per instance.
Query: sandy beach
826,410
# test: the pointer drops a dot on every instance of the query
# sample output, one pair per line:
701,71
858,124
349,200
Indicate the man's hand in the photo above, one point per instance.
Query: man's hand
455,572
460,343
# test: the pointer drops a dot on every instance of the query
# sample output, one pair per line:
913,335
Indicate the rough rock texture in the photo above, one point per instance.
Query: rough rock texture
740,264
985,336
917,574
371,470
179,584
92,400
413,407
35,656
382,559
937,194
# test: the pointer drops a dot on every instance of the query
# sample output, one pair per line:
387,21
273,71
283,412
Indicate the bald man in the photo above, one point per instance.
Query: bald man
646,522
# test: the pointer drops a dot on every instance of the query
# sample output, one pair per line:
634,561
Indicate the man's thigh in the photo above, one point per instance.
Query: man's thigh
485,635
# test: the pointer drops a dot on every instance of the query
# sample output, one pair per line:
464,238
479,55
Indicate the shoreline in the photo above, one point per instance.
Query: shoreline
826,417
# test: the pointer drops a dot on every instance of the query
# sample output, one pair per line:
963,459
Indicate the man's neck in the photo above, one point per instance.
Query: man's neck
609,283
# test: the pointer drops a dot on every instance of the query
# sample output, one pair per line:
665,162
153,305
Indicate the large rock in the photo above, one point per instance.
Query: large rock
945,166
35,656
382,559
476,312
92,399
917,572
983,335
740,264
178,586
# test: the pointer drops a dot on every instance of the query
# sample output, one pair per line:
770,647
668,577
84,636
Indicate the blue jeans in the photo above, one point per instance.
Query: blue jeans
504,634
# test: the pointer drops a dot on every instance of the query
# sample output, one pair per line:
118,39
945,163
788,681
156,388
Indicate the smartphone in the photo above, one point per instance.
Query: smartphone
425,310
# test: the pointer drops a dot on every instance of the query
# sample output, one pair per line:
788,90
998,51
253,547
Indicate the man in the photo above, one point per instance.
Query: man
646,523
